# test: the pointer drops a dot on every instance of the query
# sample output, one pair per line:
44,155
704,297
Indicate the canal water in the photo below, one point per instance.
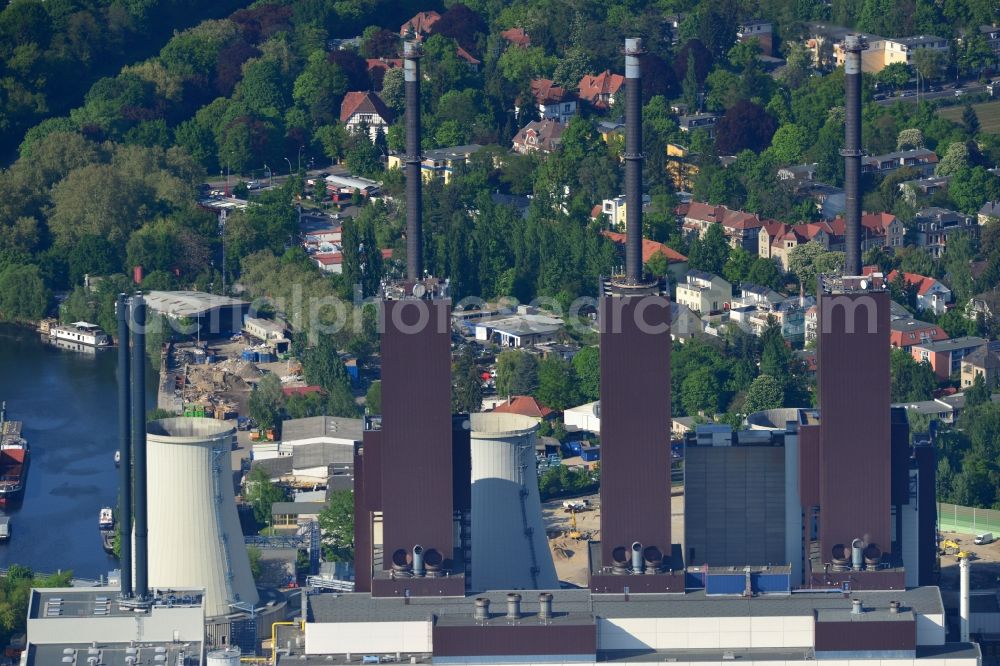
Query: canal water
68,403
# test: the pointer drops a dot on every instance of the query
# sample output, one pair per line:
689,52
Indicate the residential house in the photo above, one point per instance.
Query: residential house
517,37
931,294
685,324
787,313
439,163
742,229
420,25
934,226
525,405
599,91
345,186
614,209
704,293
760,30
758,296
830,201
611,129
988,210
882,51
333,262
992,35
907,332
365,110
377,67
986,305
553,102
922,187
272,332
706,121
776,240
984,361
676,262
921,159
681,167
877,230
539,136
945,356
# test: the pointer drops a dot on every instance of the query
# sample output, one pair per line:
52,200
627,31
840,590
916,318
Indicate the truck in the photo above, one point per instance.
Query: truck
983,539
4,528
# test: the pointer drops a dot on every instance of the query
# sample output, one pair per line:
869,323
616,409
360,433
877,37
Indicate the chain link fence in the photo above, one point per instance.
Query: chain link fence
967,519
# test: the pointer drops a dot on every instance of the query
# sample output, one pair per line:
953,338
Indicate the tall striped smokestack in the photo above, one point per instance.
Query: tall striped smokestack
125,448
633,161
139,445
414,197
852,154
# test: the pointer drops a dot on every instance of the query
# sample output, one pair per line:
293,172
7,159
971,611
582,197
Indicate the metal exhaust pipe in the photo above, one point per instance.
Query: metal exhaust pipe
414,186
482,609
638,565
545,606
857,554
418,561
125,447
513,606
139,445
633,161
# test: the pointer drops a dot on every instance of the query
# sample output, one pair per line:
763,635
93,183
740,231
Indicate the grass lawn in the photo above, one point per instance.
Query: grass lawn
988,113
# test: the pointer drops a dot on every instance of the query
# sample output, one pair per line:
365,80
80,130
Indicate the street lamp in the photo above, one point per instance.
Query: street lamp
289,167
270,176
300,157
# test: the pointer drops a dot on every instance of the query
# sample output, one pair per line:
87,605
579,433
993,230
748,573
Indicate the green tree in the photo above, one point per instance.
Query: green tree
700,393
929,63
557,383
970,120
95,256
517,373
467,387
789,144
978,394
322,366
336,522
23,295
955,159
255,554
911,381
910,138
809,260
765,392
260,493
362,263
320,88
587,363
267,402
373,398
711,252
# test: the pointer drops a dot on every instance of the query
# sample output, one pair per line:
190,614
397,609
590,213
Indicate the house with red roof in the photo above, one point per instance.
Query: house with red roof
931,294
525,405
907,332
377,67
420,25
777,239
365,109
541,136
517,37
945,356
470,60
742,229
553,102
599,91
877,230
677,263
333,262
289,391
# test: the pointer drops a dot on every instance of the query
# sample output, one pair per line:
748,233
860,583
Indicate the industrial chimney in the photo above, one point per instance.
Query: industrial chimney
138,367
852,154
125,447
414,198
633,161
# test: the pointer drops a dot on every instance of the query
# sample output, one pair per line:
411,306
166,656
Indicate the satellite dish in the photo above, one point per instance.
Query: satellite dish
864,284
419,290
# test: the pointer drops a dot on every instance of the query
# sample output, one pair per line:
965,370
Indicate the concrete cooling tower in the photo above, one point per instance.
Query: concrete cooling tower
195,540
509,547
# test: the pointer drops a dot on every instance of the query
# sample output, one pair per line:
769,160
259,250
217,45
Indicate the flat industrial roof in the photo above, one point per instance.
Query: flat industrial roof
114,654
335,427
296,508
362,607
188,303
56,603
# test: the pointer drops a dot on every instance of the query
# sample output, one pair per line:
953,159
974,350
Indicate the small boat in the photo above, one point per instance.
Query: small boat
82,333
4,528
106,522
14,452
118,458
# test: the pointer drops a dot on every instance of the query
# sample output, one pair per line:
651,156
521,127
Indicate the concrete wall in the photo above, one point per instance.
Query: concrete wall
368,637
704,632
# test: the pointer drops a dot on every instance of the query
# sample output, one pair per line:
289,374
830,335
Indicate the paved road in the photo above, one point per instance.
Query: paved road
912,97
220,183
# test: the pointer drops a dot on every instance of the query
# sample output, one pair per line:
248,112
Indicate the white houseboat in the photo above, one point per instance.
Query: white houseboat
82,333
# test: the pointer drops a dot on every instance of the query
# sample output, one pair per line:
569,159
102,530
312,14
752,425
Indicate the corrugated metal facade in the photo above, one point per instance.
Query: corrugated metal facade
716,480
853,356
635,423
416,440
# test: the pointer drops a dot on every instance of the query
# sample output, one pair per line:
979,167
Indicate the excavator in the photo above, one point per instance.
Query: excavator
575,532
952,547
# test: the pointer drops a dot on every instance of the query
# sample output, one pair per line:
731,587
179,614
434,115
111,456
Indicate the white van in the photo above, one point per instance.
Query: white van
984,538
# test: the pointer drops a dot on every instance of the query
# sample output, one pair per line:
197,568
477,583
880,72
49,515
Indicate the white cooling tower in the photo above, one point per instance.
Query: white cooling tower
509,546
195,540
